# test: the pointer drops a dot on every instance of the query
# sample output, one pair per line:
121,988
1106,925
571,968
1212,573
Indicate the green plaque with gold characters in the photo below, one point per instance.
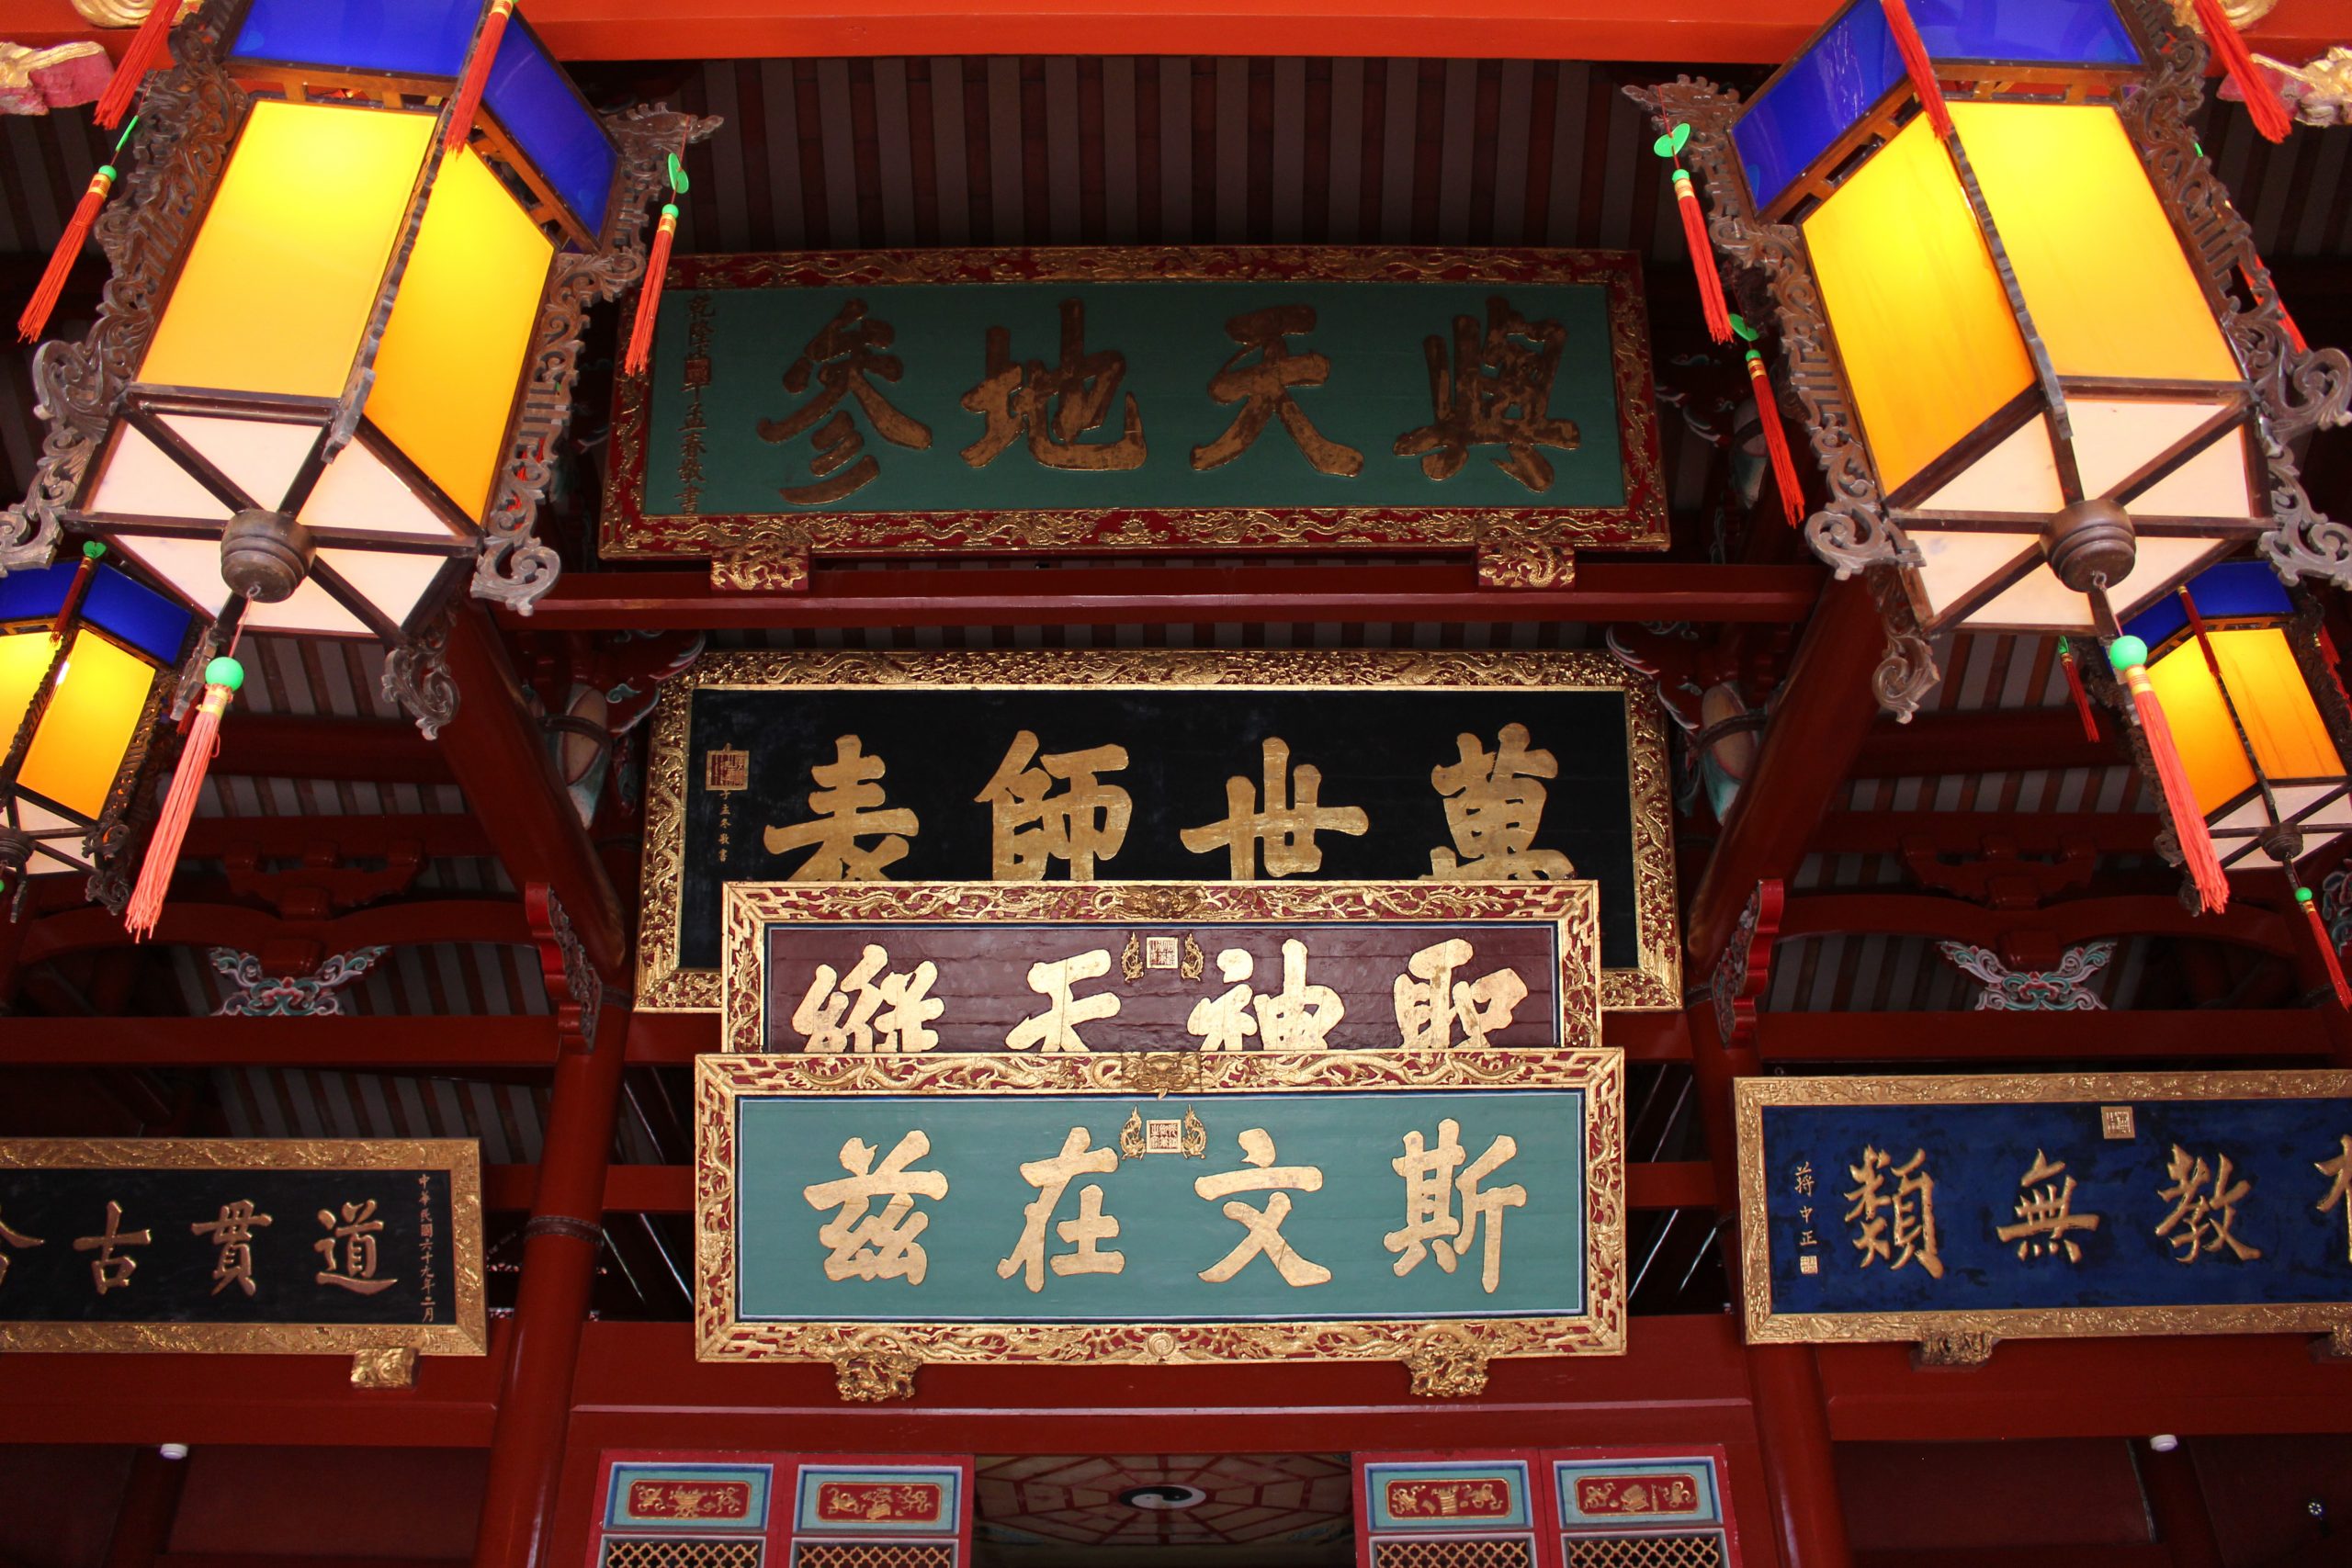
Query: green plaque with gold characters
1957,1211
1455,769
884,1212
1492,404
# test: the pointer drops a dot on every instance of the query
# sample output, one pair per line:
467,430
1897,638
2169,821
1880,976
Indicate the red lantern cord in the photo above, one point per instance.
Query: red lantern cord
1703,259
649,298
2262,101
2266,293
222,676
34,319
1914,50
2129,655
2074,684
146,47
2326,947
1776,442
470,87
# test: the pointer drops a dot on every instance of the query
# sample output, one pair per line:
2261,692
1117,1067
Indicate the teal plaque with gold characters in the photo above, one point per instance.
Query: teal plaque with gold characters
1957,1211
1489,403
1441,1209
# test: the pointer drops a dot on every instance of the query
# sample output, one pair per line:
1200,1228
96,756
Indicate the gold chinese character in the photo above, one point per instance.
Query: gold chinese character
1299,1017
357,1270
1803,1176
1054,407
1030,830
233,1233
843,803
1286,827
2045,1217
14,1238
1263,391
1431,1001
885,1013
1498,393
1055,1028
1493,806
1430,1186
2210,1212
877,1246
1913,1240
1091,1227
2339,1167
109,1271
1264,1225
842,358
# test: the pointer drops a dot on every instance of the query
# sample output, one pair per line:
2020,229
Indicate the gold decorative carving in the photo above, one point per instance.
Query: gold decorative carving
463,1332
1573,908
720,1335
873,1374
115,13
1957,1348
2243,14
1935,1329
2337,1344
391,1368
1654,985
1513,555
2323,91
628,532
775,567
1446,1366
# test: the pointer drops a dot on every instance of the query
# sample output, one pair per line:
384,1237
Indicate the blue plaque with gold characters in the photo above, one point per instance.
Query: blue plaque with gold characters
1957,1211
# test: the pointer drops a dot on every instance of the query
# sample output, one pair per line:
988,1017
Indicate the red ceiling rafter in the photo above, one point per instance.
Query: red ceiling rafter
2077,920
229,925
1896,1040
430,1044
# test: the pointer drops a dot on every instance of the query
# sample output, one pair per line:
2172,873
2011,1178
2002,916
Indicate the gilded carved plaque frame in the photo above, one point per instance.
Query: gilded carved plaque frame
1424,1345
1655,984
465,1331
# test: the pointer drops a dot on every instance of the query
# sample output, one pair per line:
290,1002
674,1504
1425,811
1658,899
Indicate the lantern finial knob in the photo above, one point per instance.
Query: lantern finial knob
2090,543
265,554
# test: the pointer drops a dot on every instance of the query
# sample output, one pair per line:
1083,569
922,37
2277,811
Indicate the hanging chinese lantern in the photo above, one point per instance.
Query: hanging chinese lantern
2039,411
324,399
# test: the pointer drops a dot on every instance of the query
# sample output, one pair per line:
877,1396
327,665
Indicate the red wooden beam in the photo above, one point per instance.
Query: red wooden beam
1990,741
1764,31
2112,1554
439,1045
1965,833
291,746
501,759
1911,1038
350,835
2074,920
1161,595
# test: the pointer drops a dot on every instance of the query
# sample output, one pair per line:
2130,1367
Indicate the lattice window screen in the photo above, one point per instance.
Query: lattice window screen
653,1552
873,1554
1504,1553
1645,1551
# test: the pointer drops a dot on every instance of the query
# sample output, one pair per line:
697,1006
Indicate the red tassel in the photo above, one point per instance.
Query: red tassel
2074,684
1703,259
2262,101
1776,442
477,76
2265,294
34,319
2180,800
2326,947
649,296
221,679
146,47
1922,70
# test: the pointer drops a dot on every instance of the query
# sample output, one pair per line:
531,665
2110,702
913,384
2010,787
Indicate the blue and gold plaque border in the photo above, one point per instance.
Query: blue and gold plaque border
464,1333
1439,1352
1571,908
1652,985
1970,1335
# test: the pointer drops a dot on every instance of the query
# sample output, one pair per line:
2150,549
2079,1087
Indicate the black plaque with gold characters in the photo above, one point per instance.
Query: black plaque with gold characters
1158,765
241,1246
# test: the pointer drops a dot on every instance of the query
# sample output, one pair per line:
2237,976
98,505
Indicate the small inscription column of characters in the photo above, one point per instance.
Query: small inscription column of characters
692,442
1801,1179
843,360
424,1241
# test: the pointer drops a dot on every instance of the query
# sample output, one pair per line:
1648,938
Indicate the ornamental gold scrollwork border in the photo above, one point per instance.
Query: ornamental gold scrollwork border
466,1333
721,1079
1654,984
629,532
1571,908
1763,1325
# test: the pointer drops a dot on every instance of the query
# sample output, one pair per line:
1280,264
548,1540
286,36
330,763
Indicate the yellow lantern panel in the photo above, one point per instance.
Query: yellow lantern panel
447,372
1930,347
2283,723
91,716
2104,277
279,287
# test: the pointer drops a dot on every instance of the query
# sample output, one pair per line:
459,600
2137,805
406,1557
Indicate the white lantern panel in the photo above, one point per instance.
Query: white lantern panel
138,481
2042,601
259,456
1956,562
358,490
2018,475
392,581
2211,484
193,569
2114,439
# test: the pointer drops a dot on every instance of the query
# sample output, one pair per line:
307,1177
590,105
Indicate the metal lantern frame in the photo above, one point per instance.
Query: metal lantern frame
1862,528
192,117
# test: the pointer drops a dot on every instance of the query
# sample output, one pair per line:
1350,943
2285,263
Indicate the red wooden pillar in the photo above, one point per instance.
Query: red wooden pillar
151,1501
559,1249
2178,1503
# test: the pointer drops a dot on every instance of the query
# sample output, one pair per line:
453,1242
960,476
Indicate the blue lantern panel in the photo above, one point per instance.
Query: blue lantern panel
132,614
1850,66
2237,591
402,38
536,102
